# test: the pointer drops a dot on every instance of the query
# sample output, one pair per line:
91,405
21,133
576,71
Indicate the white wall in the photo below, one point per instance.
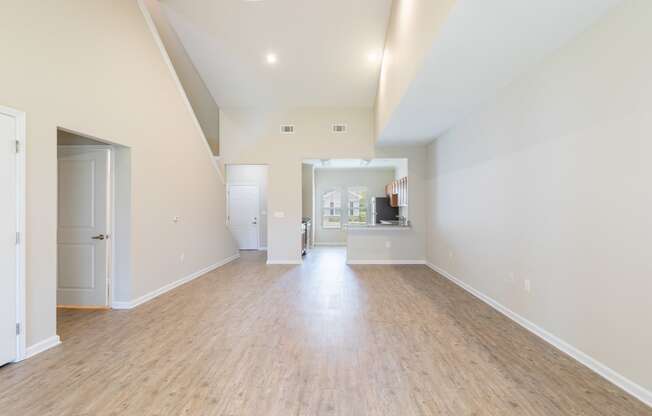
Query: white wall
411,31
374,179
123,92
253,175
551,182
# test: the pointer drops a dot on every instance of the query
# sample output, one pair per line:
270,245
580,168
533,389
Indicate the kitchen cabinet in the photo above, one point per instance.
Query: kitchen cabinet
397,191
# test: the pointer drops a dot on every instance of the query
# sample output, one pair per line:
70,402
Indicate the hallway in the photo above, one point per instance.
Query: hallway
317,339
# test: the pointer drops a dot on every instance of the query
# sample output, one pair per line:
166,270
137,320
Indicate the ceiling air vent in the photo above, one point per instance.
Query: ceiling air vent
339,128
287,128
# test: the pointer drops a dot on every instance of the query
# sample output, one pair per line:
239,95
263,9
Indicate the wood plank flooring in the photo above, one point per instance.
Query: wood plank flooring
317,339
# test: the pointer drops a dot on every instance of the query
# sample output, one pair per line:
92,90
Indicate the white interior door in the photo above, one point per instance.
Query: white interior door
83,245
8,230
243,215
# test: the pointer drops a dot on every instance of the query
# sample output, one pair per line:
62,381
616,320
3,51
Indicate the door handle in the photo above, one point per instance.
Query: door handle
99,237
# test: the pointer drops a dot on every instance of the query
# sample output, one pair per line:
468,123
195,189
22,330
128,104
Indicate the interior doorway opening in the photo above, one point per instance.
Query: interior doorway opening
355,205
93,221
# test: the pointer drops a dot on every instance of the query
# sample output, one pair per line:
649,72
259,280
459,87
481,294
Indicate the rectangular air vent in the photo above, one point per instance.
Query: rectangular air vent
287,129
339,128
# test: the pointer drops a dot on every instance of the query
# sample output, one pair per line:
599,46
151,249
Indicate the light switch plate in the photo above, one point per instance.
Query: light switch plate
279,214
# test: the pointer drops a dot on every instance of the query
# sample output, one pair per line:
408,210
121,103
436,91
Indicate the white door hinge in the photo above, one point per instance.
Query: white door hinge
17,329
17,146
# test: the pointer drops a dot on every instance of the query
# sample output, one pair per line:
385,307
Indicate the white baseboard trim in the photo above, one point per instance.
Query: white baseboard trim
386,262
624,383
158,292
292,262
318,244
44,345
262,248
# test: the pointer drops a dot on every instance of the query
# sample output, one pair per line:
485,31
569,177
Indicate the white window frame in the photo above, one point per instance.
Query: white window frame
323,209
348,201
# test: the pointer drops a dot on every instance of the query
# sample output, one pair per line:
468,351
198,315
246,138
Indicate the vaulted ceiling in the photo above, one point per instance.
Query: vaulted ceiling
480,48
328,53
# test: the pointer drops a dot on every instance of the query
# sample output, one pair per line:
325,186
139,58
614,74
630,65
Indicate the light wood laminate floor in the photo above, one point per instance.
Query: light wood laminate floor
316,339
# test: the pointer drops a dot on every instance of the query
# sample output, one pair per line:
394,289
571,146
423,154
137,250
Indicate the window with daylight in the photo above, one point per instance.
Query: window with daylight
357,205
331,202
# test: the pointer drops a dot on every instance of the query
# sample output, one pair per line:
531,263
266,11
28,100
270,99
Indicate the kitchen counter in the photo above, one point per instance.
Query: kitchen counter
382,244
378,227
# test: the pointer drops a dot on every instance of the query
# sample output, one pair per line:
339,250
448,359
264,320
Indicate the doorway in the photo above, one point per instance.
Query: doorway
94,221
12,235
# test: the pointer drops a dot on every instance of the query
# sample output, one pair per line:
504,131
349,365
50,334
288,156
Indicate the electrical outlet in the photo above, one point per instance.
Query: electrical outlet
182,257
528,285
388,244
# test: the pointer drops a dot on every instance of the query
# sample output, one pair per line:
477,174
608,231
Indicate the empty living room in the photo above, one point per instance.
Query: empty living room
342,207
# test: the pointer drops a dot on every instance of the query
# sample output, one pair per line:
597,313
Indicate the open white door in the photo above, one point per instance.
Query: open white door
83,231
243,215
8,247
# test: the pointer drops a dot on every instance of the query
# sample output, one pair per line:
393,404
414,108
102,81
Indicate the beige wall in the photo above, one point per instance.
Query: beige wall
551,183
409,245
123,92
252,136
198,94
411,32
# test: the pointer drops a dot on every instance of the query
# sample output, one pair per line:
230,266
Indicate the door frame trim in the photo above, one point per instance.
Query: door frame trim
110,209
228,206
21,223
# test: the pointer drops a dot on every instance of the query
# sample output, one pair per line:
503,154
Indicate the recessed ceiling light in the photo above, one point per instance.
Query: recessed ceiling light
374,56
271,58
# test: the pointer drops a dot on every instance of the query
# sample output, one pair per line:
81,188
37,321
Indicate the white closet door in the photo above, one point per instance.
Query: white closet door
8,247
83,246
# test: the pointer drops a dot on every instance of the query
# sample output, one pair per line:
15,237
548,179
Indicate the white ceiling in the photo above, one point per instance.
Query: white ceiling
482,46
322,48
